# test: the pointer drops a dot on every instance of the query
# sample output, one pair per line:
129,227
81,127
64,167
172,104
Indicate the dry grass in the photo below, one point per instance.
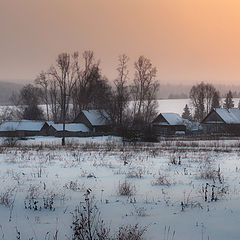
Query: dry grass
7,197
162,179
135,174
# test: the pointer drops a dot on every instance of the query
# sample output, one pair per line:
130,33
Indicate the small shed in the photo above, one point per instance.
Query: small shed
71,129
222,121
98,121
23,128
168,124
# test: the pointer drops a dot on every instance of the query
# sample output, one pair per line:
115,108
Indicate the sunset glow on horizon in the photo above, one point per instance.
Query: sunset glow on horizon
188,41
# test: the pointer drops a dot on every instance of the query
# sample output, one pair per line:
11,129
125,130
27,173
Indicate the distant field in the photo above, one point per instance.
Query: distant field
164,105
177,105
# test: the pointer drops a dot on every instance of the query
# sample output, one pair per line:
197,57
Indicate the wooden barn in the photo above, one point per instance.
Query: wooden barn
71,130
221,121
98,121
168,124
23,128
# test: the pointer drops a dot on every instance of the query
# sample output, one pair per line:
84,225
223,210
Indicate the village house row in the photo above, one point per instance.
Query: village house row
219,121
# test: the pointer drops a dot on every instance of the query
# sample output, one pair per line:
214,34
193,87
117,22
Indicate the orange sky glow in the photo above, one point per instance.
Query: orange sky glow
187,40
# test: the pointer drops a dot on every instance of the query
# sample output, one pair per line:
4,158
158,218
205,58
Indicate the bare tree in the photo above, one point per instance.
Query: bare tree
121,89
209,94
43,81
7,113
86,77
64,75
54,100
228,102
91,90
16,110
144,91
27,103
197,98
202,96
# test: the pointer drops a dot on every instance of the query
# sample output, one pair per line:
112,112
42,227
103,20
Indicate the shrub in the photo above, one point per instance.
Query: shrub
135,173
7,197
126,189
162,180
87,223
207,172
130,232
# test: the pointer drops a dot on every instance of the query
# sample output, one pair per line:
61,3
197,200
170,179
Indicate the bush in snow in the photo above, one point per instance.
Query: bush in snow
126,189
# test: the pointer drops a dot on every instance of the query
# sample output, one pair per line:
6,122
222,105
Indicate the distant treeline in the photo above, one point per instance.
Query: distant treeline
6,90
181,91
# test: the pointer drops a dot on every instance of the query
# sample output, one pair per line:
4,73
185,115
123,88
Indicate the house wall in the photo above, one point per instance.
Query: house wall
8,134
167,130
71,134
102,129
215,128
45,130
234,129
27,133
81,118
212,117
222,129
22,133
77,134
160,119
51,131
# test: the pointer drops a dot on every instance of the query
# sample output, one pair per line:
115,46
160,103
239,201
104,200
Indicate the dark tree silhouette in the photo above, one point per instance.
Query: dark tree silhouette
43,82
63,74
202,96
121,90
216,100
144,91
228,102
186,113
29,99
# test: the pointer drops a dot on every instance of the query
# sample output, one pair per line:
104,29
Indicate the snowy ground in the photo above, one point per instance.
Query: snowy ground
180,190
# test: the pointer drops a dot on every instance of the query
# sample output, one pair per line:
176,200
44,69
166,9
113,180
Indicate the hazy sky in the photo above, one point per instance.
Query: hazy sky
187,40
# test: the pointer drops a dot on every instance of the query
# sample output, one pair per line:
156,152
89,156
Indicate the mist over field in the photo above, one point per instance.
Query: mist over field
166,91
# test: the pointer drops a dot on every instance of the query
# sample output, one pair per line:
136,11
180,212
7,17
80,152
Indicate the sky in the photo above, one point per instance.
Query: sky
187,40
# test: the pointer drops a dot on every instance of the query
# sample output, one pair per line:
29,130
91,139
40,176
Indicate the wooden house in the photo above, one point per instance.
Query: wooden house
221,121
23,128
168,124
98,121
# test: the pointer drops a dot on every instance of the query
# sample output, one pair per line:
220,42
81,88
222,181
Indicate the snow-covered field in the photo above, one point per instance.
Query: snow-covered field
164,105
177,105
180,190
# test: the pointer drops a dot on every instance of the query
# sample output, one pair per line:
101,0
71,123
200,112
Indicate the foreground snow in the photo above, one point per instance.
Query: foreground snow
181,190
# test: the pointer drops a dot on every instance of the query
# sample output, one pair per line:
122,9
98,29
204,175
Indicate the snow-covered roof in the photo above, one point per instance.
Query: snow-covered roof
229,116
173,118
23,125
71,127
97,117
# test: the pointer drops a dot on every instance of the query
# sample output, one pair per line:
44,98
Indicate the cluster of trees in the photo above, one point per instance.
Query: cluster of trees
204,97
75,82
